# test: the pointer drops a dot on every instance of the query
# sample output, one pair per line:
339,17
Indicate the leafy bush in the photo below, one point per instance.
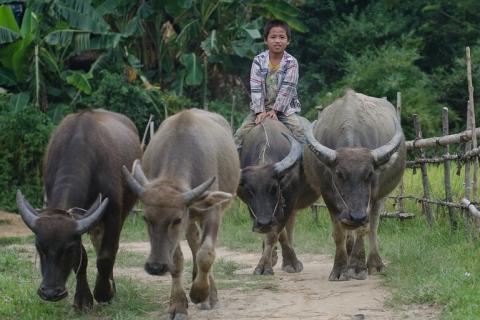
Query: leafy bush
384,71
135,101
24,136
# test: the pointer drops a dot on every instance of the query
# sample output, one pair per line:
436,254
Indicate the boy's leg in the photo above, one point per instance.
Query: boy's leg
246,126
292,122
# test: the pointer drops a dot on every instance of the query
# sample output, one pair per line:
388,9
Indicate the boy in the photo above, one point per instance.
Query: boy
273,84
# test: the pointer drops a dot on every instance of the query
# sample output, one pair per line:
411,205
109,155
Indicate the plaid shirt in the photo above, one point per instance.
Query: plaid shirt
287,78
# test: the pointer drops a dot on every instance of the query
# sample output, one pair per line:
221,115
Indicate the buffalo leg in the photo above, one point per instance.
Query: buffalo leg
105,284
339,271
83,300
374,262
178,299
290,264
357,268
265,266
203,287
193,239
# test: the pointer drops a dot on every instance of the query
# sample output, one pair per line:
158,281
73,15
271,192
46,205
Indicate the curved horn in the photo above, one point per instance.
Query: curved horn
138,172
289,161
85,223
323,153
133,184
382,154
195,193
29,215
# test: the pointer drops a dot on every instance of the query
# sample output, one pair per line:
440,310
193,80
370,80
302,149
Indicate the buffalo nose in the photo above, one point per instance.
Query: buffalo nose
262,226
358,218
52,293
156,269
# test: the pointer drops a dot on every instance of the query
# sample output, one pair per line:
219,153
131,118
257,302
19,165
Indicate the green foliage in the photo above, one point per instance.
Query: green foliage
136,102
381,72
24,135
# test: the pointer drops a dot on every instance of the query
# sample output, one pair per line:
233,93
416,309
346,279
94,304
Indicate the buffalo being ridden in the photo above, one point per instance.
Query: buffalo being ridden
188,175
273,186
357,158
82,163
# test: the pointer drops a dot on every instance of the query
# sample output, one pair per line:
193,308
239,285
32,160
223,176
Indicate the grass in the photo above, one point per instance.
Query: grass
434,266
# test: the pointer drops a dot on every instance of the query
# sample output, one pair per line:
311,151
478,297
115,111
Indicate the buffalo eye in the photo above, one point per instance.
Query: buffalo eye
176,221
339,175
369,175
70,249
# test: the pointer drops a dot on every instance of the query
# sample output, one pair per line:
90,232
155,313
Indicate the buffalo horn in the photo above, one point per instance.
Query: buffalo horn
323,153
382,154
133,184
195,193
289,161
29,215
138,173
91,216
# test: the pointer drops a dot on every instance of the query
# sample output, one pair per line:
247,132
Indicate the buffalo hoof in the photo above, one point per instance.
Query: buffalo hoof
267,271
338,275
177,316
198,294
375,264
83,303
104,293
294,267
357,274
376,269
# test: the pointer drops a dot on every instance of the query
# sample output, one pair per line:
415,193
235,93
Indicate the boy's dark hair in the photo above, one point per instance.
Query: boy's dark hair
276,23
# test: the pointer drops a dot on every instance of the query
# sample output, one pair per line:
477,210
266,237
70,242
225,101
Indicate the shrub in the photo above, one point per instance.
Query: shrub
23,136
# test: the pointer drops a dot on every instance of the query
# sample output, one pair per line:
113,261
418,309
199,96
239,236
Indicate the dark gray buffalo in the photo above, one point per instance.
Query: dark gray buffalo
357,158
273,186
191,173
83,160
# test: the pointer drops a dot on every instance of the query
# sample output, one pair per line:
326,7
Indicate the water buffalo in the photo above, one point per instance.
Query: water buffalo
83,160
272,184
356,158
188,175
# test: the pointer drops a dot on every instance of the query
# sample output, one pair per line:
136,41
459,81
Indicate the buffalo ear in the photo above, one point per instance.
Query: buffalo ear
209,200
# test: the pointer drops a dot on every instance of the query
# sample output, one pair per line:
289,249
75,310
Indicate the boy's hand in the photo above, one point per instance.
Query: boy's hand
260,117
263,115
272,114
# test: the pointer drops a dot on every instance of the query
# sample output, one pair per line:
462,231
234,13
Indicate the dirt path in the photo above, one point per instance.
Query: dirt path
305,295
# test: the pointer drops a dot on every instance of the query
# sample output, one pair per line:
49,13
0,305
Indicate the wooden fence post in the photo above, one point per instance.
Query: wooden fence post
401,187
426,185
471,124
448,186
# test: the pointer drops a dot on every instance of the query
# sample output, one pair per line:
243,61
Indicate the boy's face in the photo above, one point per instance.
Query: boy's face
277,40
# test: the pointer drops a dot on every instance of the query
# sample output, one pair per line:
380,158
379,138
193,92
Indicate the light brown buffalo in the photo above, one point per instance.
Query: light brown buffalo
190,173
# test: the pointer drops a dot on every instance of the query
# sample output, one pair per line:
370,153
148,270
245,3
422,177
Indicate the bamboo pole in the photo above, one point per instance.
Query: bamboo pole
471,112
446,172
435,202
145,132
442,141
401,187
232,113
426,188
205,82
471,207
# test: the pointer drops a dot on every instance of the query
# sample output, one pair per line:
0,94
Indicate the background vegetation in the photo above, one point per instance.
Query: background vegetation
159,57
